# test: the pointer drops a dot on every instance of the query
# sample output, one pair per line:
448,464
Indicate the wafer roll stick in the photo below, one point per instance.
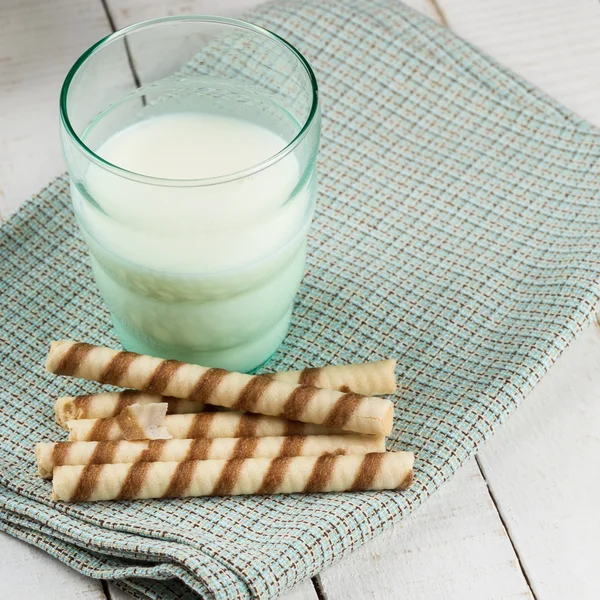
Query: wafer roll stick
202,425
282,475
110,404
56,454
367,378
255,393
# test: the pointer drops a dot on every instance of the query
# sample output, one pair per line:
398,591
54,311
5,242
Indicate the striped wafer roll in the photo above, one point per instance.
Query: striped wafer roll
56,454
202,425
282,475
367,378
254,393
110,404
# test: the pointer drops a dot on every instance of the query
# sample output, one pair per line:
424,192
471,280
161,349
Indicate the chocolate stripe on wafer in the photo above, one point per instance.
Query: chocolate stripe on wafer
134,481
321,473
102,429
71,361
292,445
229,474
295,428
245,447
406,482
180,480
309,376
298,401
200,425
104,453
368,471
130,427
162,375
252,393
248,425
60,452
207,384
117,367
199,449
153,452
126,398
275,475
87,483
343,410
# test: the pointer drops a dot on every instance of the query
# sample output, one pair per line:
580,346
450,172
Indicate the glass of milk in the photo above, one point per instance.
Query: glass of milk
191,143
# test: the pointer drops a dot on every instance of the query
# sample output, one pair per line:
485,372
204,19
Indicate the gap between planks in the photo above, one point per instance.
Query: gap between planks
134,73
506,528
440,17
319,591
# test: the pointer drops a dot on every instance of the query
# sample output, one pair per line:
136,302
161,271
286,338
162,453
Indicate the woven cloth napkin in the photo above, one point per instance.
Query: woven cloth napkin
457,229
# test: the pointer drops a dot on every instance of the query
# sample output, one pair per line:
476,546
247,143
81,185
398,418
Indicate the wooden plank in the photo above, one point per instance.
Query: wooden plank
454,546
131,11
541,466
542,469
29,573
552,43
39,41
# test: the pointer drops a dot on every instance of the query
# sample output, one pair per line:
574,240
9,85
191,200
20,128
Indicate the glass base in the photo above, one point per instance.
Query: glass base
245,358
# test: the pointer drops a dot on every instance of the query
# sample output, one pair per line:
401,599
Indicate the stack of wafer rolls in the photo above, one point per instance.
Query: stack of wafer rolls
313,430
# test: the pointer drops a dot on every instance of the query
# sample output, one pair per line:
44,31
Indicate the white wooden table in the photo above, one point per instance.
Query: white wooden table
521,519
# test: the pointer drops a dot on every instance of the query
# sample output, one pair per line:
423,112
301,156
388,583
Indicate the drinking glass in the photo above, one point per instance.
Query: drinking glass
194,263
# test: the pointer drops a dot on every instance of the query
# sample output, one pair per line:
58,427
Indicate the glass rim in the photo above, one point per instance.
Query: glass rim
204,181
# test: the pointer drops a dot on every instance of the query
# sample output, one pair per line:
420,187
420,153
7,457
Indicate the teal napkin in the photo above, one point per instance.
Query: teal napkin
457,229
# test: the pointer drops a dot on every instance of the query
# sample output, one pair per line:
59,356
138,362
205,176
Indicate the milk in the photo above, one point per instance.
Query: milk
200,268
